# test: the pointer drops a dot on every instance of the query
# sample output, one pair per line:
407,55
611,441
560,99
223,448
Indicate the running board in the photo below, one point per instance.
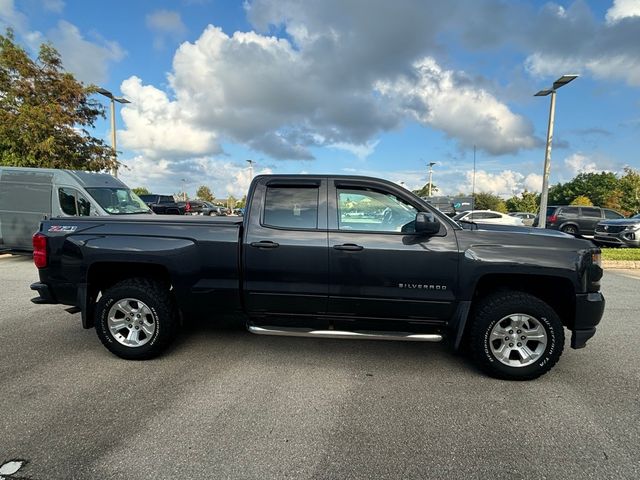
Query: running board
364,335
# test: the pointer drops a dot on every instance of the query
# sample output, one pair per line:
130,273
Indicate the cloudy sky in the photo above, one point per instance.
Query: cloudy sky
373,87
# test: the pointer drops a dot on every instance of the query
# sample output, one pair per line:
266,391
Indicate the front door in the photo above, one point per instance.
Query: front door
285,250
379,268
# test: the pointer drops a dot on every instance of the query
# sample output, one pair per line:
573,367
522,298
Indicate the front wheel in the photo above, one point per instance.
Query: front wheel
136,319
516,336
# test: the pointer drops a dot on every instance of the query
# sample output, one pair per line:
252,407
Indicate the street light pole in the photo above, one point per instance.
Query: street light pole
544,195
250,162
109,95
431,164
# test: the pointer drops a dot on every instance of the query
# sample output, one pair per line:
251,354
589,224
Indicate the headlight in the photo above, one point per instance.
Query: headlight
633,228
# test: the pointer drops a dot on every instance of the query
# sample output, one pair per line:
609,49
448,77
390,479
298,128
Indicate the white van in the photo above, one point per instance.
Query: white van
27,195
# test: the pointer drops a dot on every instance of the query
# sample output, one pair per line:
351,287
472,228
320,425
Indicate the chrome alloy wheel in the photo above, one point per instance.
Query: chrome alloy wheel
518,340
131,322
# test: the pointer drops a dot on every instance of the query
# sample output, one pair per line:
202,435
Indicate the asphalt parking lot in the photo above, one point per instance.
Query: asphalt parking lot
223,403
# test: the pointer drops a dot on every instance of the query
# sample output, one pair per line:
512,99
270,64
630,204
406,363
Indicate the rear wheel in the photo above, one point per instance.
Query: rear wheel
516,336
570,229
136,319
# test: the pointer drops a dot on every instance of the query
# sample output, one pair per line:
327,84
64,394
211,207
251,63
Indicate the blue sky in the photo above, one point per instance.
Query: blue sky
351,86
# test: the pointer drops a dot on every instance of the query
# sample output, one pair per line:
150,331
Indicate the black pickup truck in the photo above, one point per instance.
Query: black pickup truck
327,256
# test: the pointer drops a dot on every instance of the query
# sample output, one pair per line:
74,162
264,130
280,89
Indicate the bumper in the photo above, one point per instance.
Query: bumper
630,239
45,295
589,310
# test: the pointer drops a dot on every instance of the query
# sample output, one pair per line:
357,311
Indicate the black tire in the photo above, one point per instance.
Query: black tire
162,316
496,309
570,229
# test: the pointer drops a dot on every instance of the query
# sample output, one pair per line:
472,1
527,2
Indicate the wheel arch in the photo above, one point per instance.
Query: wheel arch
102,275
557,292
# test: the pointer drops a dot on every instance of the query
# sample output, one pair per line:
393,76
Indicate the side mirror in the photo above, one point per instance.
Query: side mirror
427,223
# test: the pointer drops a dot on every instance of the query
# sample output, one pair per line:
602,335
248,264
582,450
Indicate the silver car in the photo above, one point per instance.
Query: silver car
623,232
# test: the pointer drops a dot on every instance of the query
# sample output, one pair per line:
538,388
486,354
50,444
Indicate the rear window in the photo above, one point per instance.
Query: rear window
550,211
291,207
591,212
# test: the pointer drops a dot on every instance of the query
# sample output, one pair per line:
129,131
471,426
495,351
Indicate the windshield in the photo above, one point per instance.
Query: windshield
118,201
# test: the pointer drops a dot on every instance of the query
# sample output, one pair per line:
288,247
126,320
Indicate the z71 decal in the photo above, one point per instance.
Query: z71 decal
62,228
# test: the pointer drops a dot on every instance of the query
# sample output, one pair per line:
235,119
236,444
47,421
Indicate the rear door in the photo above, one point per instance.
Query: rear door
379,269
589,218
285,250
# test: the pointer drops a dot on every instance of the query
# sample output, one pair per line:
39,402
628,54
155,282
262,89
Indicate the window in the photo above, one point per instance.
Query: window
367,210
73,202
291,207
483,215
612,214
118,201
569,211
591,212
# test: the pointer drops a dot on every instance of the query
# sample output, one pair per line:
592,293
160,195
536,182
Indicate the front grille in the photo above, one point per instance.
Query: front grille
610,228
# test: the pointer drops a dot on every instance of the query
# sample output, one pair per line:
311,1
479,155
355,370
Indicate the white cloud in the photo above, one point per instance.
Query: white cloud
505,184
533,182
360,151
574,41
165,177
623,9
464,112
88,60
165,24
283,100
159,127
11,17
579,163
56,6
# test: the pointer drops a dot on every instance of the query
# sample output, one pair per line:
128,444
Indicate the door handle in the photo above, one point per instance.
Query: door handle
349,247
265,244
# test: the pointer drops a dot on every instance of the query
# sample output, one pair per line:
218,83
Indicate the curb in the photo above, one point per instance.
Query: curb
622,264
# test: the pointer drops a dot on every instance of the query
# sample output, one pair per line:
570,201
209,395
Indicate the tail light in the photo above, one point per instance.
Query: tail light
187,207
40,250
552,218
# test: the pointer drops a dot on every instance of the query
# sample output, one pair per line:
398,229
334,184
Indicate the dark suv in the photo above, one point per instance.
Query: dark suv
163,204
577,220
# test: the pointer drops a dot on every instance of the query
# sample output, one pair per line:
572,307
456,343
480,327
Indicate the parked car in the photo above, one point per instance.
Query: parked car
194,207
29,194
298,265
164,204
576,220
526,217
212,210
620,232
487,216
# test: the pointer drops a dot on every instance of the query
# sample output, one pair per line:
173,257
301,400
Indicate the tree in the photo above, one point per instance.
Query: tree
424,191
489,201
526,202
45,113
582,200
630,188
141,191
231,202
596,186
242,203
204,193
